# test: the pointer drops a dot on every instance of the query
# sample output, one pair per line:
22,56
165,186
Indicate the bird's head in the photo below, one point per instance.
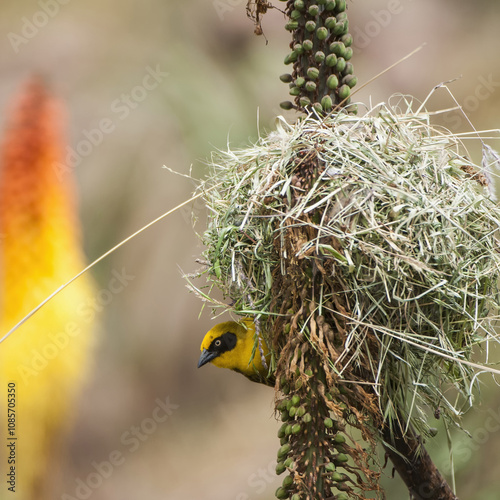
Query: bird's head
234,345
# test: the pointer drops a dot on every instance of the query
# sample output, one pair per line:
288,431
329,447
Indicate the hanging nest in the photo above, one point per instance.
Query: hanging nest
366,249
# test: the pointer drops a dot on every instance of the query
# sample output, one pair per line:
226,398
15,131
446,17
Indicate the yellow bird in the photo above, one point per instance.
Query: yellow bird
235,346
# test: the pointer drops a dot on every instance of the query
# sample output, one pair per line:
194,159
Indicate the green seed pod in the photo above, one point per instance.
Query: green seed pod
298,382
286,105
332,82
296,428
280,468
291,58
310,26
291,25
337,477
295,400
286,78
283,440
289,462
349,69
281,431
341,5
299,4
307,418
300,83
313,10
284,416
286,328
289,404
293,411
295,496
295,91
319,57
298,48
350,80
288,430
283,451
330,5
341,28
309,372
348,53
286,388
330,467
347,40
287,482
304,101
318,108
322,33
340,66
313,73
344,93
295,15
337,48
330,22
328,422
326,103
341,17
339,438
282,405
282,493
307,44
310,87
341,458
301,412
331,60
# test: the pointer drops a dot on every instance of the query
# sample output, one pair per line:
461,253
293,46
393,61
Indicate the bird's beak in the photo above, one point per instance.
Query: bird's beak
206,357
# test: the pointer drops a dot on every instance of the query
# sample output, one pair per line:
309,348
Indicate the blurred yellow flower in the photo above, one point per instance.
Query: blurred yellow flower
42,363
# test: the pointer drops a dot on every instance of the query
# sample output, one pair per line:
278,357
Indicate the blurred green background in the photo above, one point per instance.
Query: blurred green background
216,82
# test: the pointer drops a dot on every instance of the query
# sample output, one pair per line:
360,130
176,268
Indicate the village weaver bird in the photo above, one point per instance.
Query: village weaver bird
236,346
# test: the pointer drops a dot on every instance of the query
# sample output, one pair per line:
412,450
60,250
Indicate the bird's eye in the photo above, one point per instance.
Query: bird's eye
217,343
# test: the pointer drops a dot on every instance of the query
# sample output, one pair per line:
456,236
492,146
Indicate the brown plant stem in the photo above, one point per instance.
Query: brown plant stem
414,465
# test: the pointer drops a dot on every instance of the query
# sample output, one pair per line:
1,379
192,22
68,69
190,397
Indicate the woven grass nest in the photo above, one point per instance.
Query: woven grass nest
371,238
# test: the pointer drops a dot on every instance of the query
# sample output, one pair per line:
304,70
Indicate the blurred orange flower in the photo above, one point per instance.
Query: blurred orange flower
40,249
